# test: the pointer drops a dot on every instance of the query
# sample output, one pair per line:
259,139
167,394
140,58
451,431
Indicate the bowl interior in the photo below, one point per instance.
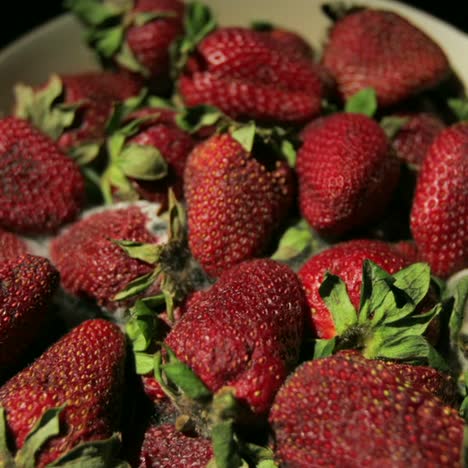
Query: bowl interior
58,46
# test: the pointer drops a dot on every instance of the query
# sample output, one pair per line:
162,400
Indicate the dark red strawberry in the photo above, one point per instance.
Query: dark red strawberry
28,284
134,35
11,246
247,75
99,268
383,420
245,332
382,50
346,171
236,200
83,372
151,160
346,261
74,109
414,138
439,216
165,447
40,187
408,250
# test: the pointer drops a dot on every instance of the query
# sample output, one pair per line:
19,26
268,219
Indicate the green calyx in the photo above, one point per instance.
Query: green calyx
391,125
198,23
387,324
93,454
459,107
174,268
43,107
362,102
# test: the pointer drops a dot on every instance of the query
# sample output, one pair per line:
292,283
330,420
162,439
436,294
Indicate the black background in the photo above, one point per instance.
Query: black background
22,16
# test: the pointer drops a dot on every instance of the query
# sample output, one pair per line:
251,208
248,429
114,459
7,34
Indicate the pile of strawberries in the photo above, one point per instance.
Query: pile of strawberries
224,250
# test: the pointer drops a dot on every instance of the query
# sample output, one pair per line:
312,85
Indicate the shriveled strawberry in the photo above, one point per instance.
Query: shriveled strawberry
40,187
346,261
99,268
135,35
384,51
346,171
439,215
164,446
244,332
150,159
28,284
236,199
83,372
11,246
247,75
413,139
74,109
380,422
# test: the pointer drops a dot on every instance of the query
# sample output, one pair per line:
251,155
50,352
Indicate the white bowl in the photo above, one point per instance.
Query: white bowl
58,45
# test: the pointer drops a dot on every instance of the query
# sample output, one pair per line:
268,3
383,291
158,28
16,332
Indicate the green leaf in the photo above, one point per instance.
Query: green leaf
48,426
149,253
192,119
124,108
93,12
141,326
113,179
85,153
392,125
6,459
108,41
127,59
459,107
136,286
145,17
415,280
224,445
143,162
94,454
324,348
460,301
245,136
144,363
289,152
335,295
363,102
184,378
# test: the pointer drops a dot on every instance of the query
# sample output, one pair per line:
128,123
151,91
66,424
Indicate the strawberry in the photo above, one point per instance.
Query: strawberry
247,75
83,373
384,420
382,50
346,261
408,250
41,188
439,215
99,268
416,135
28,284
11,246
135,35
165,447
236,199
149,157
346,172
74,109
244,332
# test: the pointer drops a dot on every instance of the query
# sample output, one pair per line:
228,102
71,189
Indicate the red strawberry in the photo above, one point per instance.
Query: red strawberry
408,250
157,140
414,138
99,269
41,188
439,216
11,246
236,200
382,421
346,171
382,50
346,261
28,284
78,106
84,373
140,36
166,447
247,75
244,332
